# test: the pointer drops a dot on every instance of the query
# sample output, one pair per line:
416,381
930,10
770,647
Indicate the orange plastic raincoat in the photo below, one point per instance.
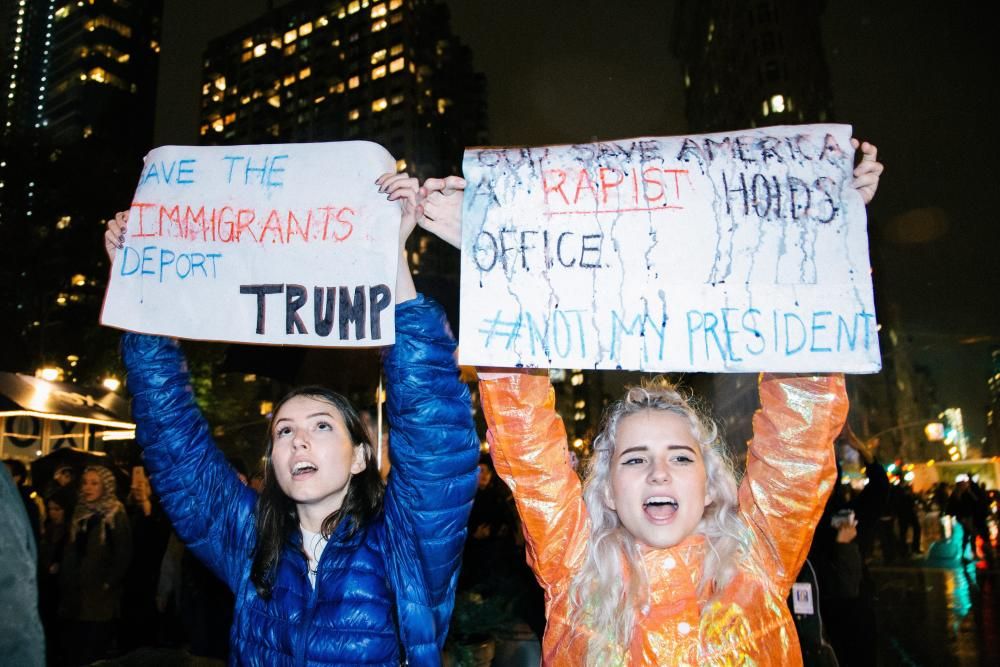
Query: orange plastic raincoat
790,472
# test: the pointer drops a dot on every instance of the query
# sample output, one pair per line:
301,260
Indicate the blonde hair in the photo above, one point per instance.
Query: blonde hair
601,598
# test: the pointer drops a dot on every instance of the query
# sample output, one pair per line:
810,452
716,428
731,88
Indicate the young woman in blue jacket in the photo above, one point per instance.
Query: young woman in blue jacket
329,565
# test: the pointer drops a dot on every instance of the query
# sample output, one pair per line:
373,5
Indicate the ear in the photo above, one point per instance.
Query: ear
358,463
609,498
708,498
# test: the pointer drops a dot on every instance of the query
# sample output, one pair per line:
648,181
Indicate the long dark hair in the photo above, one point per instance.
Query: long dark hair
277,519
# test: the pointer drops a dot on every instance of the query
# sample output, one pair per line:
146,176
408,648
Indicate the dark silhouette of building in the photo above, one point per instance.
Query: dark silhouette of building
79,80
751,64
992,444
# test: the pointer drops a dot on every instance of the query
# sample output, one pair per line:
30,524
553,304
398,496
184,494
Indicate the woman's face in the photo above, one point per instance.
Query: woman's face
658,478
313,454
90,486
57,514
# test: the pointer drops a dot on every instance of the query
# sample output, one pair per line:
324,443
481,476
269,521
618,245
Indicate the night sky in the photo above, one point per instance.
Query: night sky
914,77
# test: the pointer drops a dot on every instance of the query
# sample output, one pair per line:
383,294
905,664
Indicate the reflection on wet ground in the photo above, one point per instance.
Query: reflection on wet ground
940,610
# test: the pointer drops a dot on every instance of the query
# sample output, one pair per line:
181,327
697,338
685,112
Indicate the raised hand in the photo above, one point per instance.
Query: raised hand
441,208
114,237
867,173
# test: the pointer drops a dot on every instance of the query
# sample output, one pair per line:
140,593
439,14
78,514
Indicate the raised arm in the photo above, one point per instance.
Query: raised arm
434,452
791,467
211,510
528,446
433,446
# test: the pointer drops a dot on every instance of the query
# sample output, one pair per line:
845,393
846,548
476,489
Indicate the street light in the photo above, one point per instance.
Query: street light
49,373
111,383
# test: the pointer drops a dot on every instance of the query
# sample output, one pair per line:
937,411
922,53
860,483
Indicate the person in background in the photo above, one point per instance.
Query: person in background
93,568
19,472
22,641
51,548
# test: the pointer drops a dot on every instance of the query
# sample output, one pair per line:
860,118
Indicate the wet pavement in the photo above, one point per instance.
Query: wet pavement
938,609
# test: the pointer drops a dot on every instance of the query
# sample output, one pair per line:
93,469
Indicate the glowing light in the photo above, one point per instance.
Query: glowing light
111,383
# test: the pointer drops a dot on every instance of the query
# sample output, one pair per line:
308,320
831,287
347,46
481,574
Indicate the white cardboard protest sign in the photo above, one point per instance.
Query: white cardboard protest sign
728,252
279,244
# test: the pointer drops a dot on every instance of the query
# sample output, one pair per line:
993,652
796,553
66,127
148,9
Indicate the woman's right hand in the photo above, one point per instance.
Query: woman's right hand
114,237
441,208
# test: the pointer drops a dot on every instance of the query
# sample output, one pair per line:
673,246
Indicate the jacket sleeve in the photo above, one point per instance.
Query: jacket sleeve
434,452
791,467
528,446
211,510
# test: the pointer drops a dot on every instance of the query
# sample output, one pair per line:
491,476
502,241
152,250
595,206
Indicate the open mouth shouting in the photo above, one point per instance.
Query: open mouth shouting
660,509
303,470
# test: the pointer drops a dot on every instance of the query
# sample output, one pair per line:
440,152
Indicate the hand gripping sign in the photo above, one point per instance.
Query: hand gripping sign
730,252
280,244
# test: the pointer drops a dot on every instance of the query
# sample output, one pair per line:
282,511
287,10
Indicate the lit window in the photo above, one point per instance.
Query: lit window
396,99
218,125
305,72
220,82
765,108
63,12
206,89
204,130
397,64
289,50
354,82
378,72
305,29
230,118
378,10
274,101
259,50
63,222
123,58
378,56
381,24
778,103
353,114
155,46
337,87
322,22
248,43
247,55
290,36
245,99
276,42
380,104
395,4
443,104
289,79
353,7
400,165
319,100
395,18
396,50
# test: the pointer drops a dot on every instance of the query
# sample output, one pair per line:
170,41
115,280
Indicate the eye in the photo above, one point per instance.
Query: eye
282,431
324,426
683,459
633,460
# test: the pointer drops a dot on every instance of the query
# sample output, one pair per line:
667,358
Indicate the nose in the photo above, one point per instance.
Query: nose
659,472
300,441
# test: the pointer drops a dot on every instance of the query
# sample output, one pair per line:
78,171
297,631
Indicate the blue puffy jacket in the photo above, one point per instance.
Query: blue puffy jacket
382,596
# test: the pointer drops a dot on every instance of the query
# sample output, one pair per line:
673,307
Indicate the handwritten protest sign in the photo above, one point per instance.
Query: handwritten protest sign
728,252
279,244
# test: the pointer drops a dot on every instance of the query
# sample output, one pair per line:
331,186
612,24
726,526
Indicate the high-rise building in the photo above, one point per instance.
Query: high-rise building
992,444
79,78
751,64
389,71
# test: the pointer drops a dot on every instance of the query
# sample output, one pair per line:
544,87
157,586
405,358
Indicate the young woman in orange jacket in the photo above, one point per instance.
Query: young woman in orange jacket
659,557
